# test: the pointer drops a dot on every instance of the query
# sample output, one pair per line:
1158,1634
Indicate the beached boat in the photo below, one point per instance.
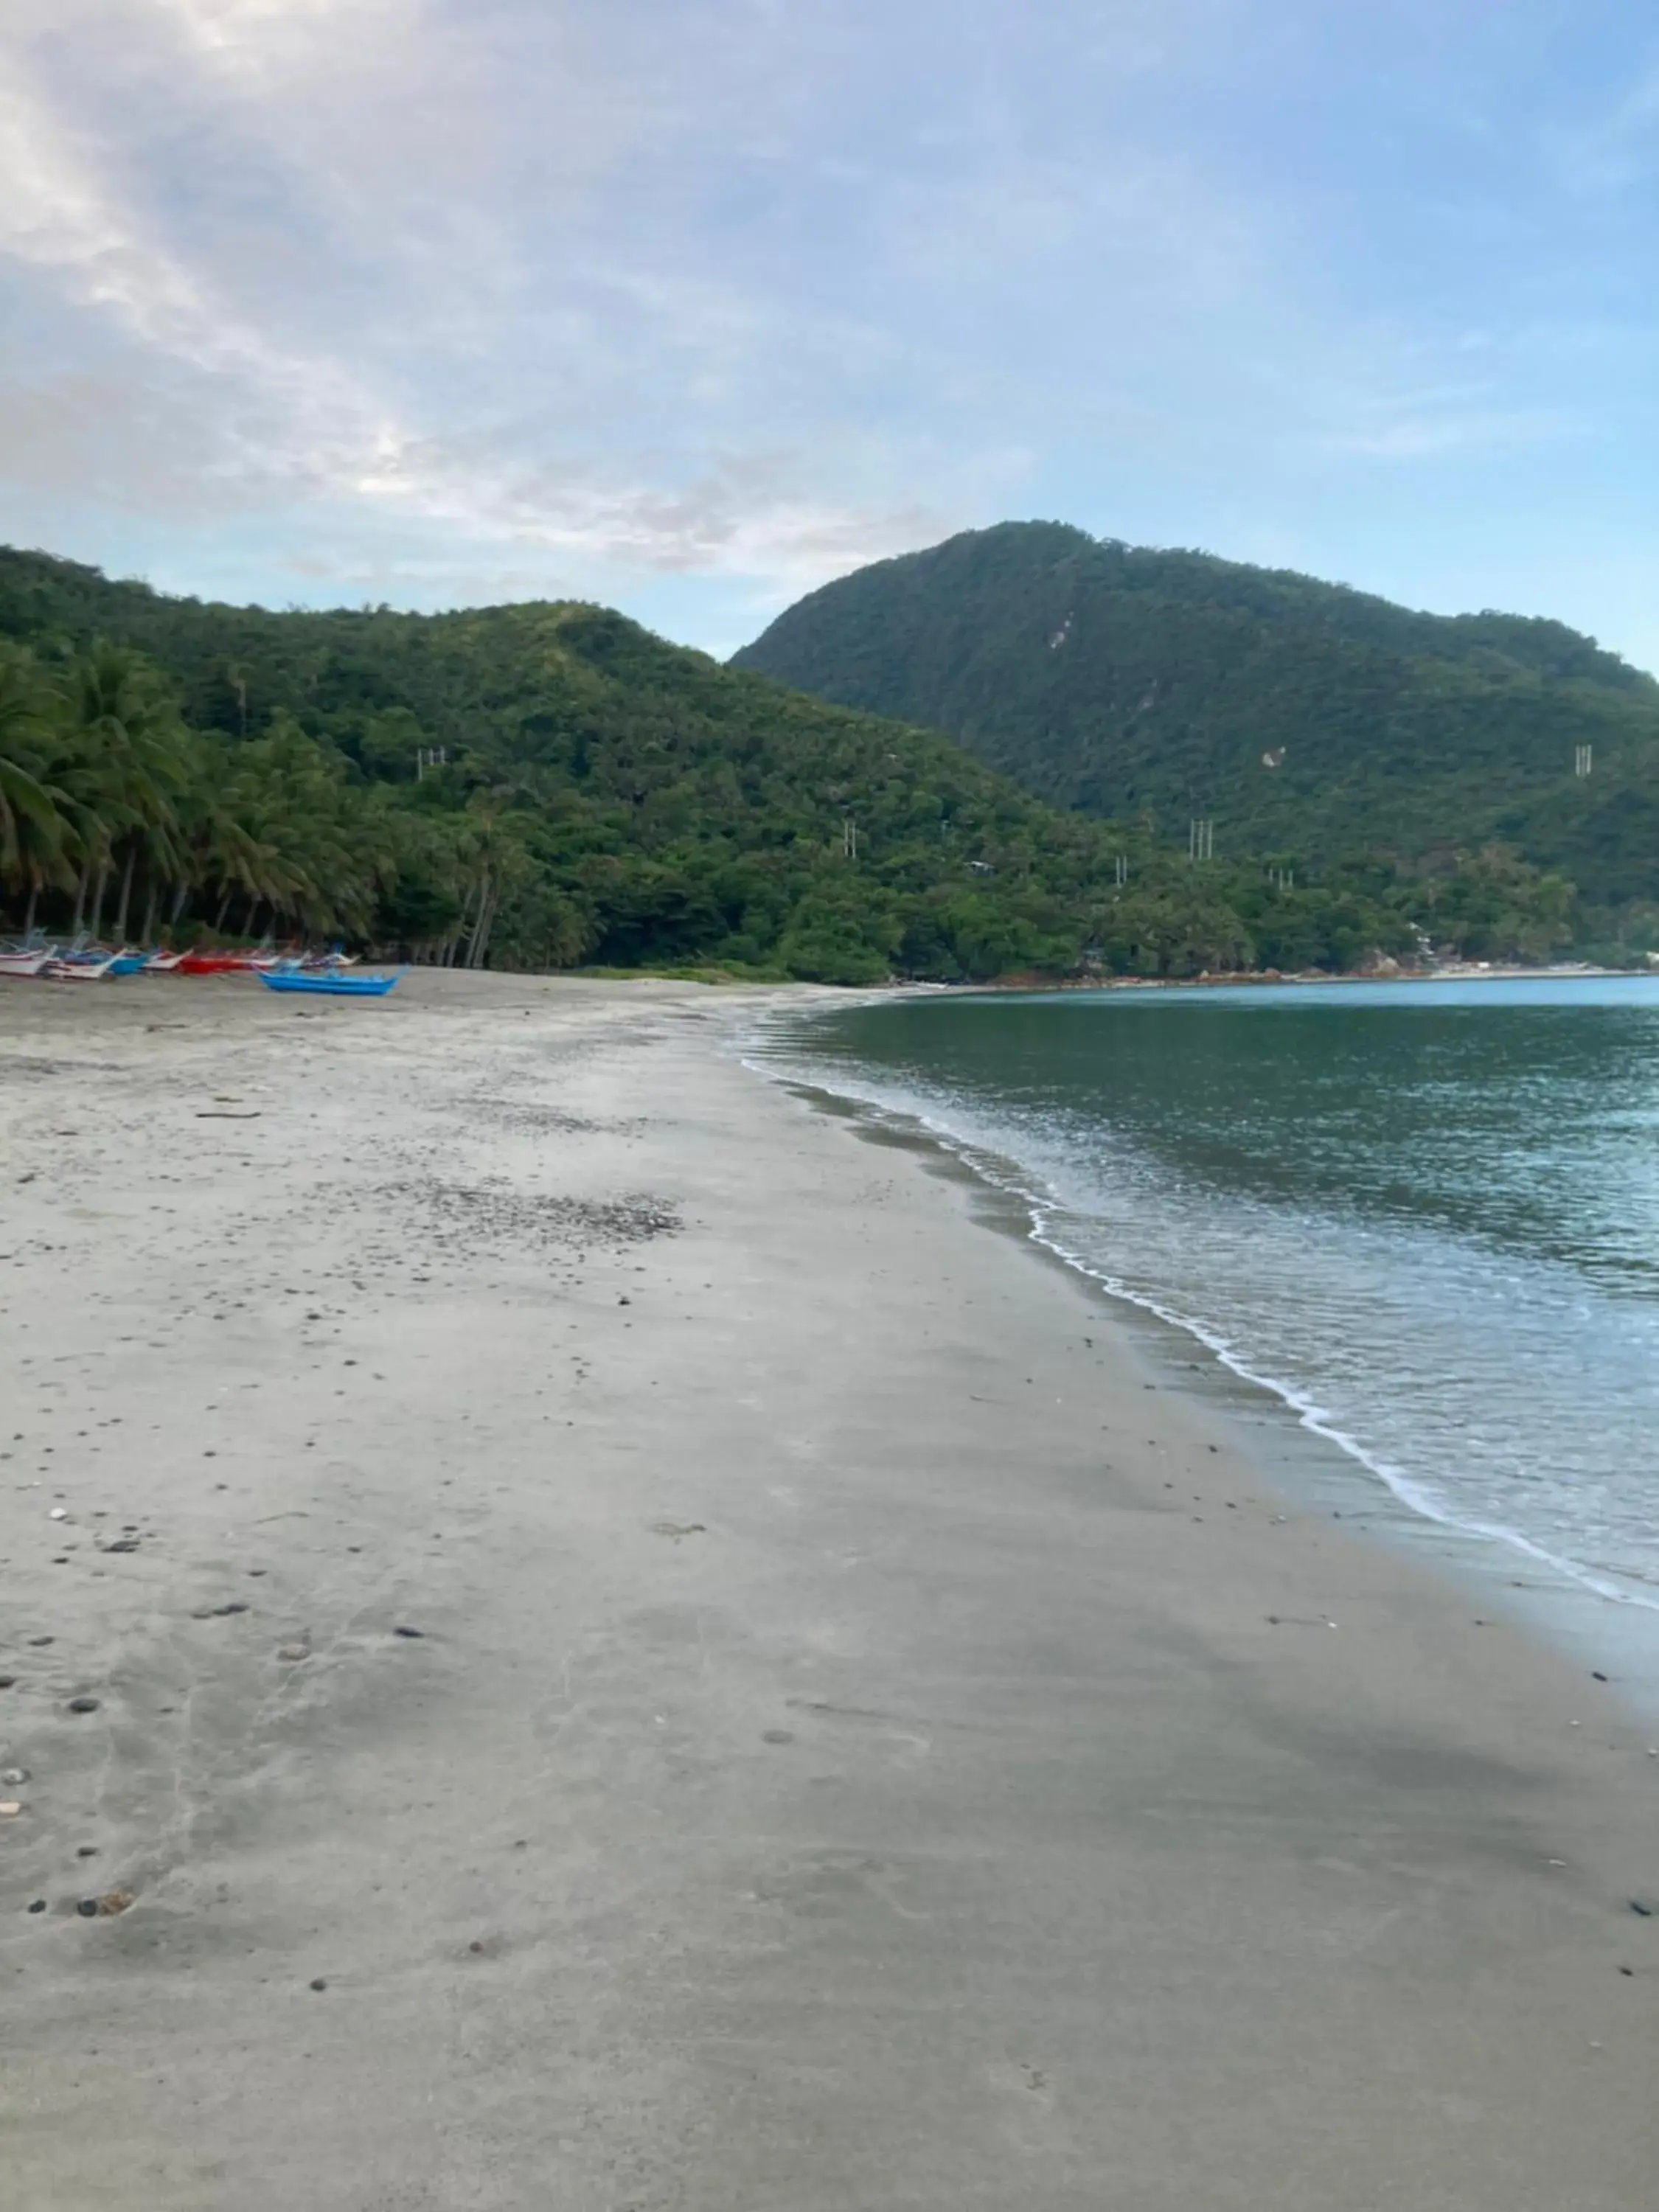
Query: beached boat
213,963
23,963
332,986
79,969
128,963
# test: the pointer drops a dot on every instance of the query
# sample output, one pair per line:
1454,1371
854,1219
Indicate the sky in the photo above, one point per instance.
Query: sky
689,306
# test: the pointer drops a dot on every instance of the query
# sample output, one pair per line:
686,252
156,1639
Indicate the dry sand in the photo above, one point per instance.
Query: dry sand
846,1760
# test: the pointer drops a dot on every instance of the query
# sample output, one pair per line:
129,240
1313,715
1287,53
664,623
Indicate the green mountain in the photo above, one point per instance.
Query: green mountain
1303,718
545,785
532,785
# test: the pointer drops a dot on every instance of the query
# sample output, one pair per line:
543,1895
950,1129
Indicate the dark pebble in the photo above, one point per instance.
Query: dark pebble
40,1643
38,1906
416,1632
1596,1676
222,1610
319,1983
86,1851
8,1682
87,1908
83,1704
1644,1911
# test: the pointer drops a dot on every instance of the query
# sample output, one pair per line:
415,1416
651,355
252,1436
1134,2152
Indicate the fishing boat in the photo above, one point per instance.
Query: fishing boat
212,963
80,969
128,963
332,985
24,964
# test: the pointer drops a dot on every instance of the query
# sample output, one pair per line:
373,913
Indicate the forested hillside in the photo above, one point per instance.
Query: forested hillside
544,786
1304,719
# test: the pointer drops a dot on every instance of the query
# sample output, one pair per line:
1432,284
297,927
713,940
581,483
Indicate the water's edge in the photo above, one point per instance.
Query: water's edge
1312,1462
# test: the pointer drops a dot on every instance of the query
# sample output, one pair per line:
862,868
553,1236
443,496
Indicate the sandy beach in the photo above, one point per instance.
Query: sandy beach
637,1657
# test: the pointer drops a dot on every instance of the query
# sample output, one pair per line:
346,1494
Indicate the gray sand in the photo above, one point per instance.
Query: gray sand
846,1760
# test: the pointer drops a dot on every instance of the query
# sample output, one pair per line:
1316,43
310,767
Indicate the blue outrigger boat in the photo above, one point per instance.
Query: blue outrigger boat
329,982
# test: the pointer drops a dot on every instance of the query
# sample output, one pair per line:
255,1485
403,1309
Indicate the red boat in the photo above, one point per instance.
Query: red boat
213,963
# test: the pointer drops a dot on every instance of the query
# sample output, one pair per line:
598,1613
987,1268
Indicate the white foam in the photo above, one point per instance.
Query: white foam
1044,1204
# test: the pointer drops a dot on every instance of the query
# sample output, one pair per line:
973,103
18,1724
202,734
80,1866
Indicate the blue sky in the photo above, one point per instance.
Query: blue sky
691,305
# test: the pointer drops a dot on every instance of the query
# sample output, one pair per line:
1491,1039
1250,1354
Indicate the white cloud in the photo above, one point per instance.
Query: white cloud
519,360
622,295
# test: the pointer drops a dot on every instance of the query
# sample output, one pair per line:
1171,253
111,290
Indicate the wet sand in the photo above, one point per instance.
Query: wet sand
864,1745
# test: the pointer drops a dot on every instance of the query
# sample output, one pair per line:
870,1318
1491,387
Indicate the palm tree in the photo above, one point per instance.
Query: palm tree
128,758
495,861
35,833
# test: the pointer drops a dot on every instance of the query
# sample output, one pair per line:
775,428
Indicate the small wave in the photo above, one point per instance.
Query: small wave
772,1050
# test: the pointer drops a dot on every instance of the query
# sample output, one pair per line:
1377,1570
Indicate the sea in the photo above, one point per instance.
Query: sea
1419,1220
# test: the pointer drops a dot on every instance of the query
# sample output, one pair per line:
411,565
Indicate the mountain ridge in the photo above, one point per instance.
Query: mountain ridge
1305,718
596,793
548,785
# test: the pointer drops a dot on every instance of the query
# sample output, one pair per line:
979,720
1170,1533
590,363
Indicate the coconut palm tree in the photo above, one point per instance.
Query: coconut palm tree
127,758
35,839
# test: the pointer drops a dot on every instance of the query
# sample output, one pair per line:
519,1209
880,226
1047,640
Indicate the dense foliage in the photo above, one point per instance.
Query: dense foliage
1301,717
542,786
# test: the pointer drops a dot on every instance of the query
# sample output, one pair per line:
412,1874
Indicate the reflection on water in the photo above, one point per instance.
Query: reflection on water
1428,1214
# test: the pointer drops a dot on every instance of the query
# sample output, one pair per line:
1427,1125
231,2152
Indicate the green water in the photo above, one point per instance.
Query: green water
1427,1216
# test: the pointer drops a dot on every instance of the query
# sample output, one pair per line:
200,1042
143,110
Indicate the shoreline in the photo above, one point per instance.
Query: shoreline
1488,1551
868,1740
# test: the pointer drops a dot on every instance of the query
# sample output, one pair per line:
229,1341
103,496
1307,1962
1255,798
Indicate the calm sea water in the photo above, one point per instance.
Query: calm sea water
1425,1215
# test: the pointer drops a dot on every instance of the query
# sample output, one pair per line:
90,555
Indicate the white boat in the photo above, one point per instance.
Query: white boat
79,971
22,963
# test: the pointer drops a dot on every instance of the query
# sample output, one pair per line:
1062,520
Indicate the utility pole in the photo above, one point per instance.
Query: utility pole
1120,869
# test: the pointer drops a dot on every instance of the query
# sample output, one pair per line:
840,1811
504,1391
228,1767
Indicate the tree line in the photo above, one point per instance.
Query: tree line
547,785
118,818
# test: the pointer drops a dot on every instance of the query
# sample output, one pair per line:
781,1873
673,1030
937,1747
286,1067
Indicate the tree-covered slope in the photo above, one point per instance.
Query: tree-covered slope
600,796
540,786
1301,717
